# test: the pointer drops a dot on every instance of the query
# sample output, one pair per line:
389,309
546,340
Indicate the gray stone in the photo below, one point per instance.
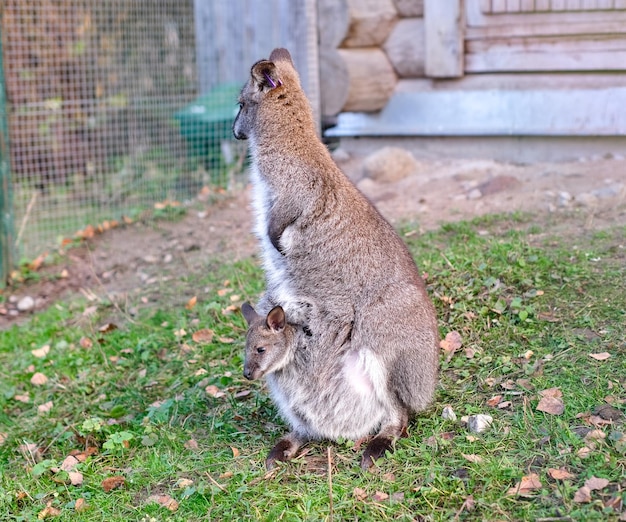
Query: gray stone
26,304
474,194
610,191
390,164
585,199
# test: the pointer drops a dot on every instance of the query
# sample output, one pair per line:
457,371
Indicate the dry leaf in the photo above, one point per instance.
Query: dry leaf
527,486
192,445
379,496
226,340
470,352
494,401
359,494
560,474
235,451
600,356
107,327
551,401
3,437
594,483
214,391
476,459
398,496
22,398
164,500
504,404
80,505
203,336
224,291
225,475
180,333
229,310
451,344
184,483
37,262
85,342
69,463
191,303
584,452
76,478
582,495
111,483
41,352
595,435
48,512
38,379
45,407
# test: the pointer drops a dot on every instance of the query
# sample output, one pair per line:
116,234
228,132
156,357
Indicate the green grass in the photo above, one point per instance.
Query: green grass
137,395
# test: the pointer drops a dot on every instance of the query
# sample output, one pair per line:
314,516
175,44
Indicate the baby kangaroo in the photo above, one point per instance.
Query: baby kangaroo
320,397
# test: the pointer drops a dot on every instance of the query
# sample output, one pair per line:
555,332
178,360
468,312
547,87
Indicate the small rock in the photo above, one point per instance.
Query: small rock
150,259
448,414
26,304
390,164
585,200
564,198
475,194
498,184
13,299
479,423
168,258
609,191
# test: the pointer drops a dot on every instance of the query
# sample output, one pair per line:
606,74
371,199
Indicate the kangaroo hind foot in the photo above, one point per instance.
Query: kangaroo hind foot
285,449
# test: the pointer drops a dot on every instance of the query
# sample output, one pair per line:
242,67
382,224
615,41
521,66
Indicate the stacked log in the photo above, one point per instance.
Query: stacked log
365,46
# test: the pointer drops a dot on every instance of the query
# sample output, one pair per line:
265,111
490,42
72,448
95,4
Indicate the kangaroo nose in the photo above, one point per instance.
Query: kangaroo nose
247,374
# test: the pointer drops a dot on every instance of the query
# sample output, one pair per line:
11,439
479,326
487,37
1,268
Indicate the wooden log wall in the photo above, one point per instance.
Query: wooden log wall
365,47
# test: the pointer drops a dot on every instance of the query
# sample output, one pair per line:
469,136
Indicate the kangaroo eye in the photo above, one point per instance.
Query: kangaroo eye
240,105
260,349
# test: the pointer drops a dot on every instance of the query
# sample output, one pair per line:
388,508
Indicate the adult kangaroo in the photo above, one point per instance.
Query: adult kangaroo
332,262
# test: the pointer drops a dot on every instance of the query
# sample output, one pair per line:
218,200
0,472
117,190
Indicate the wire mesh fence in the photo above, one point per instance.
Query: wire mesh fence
115,105
96,97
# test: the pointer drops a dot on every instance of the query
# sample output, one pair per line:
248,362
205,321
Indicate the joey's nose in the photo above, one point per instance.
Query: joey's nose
247,373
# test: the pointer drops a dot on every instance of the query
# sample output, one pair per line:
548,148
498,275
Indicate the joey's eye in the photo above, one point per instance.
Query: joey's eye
240,105
260,349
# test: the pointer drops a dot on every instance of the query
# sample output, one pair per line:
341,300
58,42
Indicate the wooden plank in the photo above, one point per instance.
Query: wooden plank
549,29
498,6
542,5
536,112
573,5
619,4
485,6
527,6
554,18
540,61
554,44
443,22
512,6
557,5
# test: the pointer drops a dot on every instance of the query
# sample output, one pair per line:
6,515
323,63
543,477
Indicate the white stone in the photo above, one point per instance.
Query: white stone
448,414
479,423
26,303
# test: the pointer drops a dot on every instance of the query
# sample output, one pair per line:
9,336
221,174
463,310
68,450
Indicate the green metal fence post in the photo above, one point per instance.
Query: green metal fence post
7,234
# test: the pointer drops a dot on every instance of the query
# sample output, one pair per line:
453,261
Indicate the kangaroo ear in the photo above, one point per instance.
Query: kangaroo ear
249,313
281,54
276,319
265,75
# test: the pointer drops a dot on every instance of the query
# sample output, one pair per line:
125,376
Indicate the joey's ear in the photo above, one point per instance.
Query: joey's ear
276,319
249,313
265,75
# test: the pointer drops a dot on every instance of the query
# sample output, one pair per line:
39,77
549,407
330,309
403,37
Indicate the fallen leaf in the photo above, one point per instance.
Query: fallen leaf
594,483
214,391
560,474
111,483
69,463
494,401
222,292
41,352
38,379
37,262
76,478
203,336
85,342
235,451
470,352
22,398
107,327
184,483
191,303
584,452
600,356
379,496
242,394
80,505
3,437
30,451
398,496
551,401
504,404
192,444
359,494
45,407
595,435
527,486
226,475
476,459
451,344
180,333
48,512
164,500
226,340
583,495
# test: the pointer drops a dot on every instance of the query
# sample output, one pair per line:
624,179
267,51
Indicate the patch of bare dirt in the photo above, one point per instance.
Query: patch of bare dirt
123,261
